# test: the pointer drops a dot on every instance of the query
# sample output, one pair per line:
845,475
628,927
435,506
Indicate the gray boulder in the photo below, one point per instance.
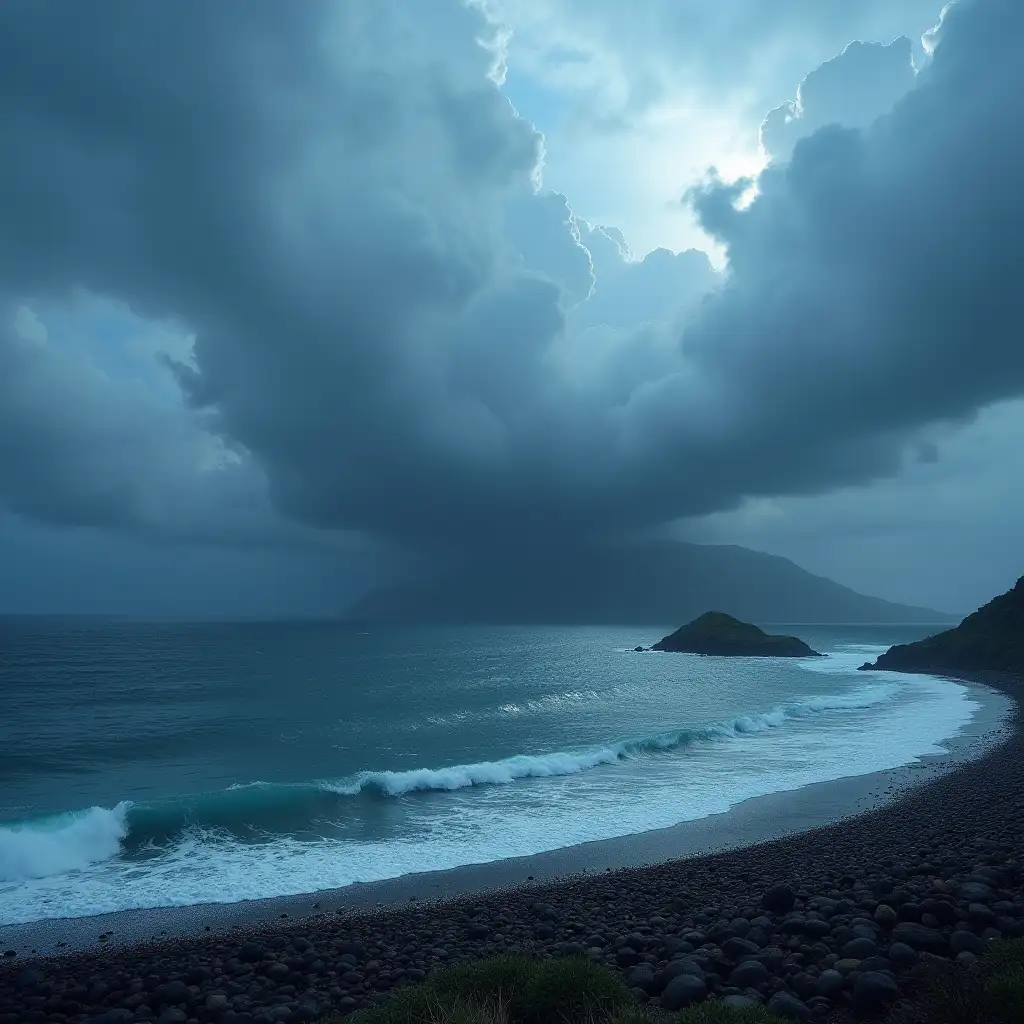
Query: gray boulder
782,1004
749,974
966,942
683,991
920,937
830,983
873,989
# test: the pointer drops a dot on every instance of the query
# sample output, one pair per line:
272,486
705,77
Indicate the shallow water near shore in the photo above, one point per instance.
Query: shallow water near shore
147,765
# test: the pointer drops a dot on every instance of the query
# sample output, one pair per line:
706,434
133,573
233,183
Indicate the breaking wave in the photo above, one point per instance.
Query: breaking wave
257,811
66,842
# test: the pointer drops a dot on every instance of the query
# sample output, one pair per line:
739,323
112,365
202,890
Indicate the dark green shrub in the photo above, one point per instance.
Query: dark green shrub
505,978
573,989
991,992
511,990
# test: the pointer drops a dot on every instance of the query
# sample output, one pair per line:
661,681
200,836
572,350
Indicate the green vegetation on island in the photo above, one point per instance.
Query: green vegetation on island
718,634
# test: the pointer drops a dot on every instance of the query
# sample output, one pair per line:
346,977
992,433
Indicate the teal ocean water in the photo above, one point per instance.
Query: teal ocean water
155,764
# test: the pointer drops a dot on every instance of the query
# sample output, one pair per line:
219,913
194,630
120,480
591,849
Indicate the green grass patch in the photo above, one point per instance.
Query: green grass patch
520,990
991,992
505,978
573,989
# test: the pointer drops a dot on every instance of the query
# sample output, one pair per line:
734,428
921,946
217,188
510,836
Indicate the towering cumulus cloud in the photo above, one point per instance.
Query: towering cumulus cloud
635,56
390,321
853,90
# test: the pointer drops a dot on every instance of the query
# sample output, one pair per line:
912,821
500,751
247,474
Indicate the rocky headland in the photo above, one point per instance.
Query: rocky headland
989,640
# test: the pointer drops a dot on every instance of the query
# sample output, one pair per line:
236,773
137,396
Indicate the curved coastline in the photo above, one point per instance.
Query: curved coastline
759,817
86,863
925,825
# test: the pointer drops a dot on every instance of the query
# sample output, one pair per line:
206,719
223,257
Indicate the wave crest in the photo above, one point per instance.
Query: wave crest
74,841
62,843
526,766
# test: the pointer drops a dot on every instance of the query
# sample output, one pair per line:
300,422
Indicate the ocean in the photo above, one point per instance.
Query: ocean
148,764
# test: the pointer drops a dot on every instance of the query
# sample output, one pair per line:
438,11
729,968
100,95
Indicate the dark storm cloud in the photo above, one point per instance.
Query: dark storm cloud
944,534
81,571
873,281
78,448
327,195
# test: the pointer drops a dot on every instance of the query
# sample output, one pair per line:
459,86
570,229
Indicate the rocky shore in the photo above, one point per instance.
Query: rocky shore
834,921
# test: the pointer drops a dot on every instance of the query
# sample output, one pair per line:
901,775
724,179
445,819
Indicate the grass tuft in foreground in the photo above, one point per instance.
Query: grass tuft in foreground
991,992
518,990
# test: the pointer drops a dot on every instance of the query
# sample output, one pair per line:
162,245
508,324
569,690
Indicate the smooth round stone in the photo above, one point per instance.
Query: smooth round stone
976,892
682,992
860,949
873,989
780,899
738,949
739,1002
173,992
641,977
902,955
815,928
782,1004
920,937
885,916
627,956
749,974
830,983
966,942
980,915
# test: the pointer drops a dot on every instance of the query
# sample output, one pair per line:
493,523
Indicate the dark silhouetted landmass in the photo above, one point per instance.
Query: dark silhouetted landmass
989,640
721,635
641,584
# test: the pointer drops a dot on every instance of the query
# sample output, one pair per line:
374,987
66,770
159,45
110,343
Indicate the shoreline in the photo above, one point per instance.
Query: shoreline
837,918
750,823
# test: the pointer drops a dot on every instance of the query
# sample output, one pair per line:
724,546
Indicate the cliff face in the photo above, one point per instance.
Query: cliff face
719,634
989,640
641,584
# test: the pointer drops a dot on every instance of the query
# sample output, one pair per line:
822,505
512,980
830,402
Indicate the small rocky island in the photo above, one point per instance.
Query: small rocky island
718,634
989,640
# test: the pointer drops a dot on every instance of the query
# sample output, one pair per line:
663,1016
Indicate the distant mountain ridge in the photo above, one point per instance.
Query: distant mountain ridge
988,640
643,584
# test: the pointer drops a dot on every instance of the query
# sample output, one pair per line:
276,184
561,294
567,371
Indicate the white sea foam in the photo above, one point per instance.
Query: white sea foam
559,763
63,843
69,866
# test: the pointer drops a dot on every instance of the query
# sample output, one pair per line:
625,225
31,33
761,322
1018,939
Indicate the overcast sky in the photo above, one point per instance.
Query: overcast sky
287,287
